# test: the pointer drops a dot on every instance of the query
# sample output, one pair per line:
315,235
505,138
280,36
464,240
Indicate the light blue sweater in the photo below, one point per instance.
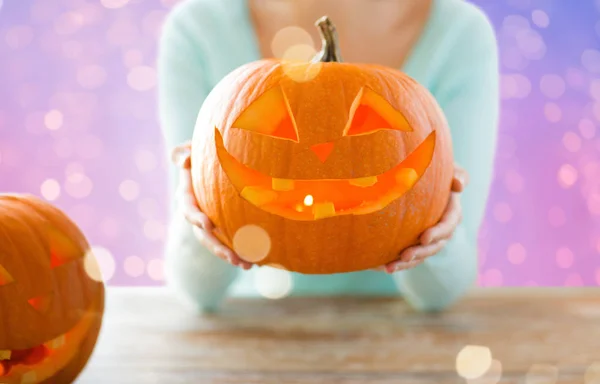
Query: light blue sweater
455,58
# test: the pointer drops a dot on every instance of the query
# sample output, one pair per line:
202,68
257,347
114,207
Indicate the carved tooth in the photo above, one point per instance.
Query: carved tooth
258,196
5,354
364,181
56,343
323,210
29,378
282,184
406,177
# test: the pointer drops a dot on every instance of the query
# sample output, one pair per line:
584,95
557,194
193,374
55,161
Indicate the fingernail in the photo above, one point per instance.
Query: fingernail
223,252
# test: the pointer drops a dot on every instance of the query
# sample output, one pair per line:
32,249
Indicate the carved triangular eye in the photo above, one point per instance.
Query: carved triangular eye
5,277
62,248
370,113
269,115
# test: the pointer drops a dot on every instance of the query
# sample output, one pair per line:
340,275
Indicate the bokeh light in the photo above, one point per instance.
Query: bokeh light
492,278
288,37
156,269
587,128
129,190
573,280
564,257
473,361
553,112
516,253
531,44
99,264
540,18
301,52
273,283
78,185
593,203
567,176
134,266
491,376
552,86
252,243
590,59
53,120
50,189
300,71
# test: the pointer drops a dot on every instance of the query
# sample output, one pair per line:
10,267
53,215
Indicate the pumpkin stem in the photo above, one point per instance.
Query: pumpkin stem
330,52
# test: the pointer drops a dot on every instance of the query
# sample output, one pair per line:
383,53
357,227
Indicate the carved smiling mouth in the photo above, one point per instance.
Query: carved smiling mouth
39,363
309,200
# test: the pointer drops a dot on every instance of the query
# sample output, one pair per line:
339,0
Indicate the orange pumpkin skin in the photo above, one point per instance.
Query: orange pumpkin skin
50,309
233,147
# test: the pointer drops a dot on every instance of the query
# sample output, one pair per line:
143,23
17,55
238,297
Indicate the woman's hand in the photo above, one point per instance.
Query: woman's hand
202,226
435,238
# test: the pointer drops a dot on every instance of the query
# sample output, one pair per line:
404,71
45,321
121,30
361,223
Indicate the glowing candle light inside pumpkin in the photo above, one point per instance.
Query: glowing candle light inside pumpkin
308,200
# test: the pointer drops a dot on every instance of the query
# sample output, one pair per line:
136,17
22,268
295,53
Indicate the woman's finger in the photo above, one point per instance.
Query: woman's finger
446,226
188,204
414,254
214,245
405,266
182,155
460,179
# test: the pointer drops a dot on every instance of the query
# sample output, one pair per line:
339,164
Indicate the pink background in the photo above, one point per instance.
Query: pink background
78,126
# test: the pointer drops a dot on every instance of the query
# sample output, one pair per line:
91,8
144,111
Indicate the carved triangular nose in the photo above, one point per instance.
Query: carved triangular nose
323,150
41,303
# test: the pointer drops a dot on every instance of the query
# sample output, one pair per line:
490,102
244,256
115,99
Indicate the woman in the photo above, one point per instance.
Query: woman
447,45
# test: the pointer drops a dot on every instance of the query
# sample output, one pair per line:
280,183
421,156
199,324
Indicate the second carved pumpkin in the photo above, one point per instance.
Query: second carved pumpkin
51,296
321,167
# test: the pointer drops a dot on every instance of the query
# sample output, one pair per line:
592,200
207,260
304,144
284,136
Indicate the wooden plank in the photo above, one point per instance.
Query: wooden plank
148,337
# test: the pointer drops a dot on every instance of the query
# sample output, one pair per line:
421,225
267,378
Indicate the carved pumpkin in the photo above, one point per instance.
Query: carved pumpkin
337,167
50,309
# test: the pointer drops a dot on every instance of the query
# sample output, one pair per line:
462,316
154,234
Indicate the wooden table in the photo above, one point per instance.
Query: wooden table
537,336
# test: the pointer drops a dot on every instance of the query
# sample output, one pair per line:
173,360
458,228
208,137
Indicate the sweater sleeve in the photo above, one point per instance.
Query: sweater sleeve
198,276
468,93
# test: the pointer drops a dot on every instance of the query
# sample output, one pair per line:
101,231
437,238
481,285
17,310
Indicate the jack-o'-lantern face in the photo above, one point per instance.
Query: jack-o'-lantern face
50,308
339,166
271,116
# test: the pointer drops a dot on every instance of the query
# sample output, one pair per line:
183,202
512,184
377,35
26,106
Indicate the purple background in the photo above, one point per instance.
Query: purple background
78,126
